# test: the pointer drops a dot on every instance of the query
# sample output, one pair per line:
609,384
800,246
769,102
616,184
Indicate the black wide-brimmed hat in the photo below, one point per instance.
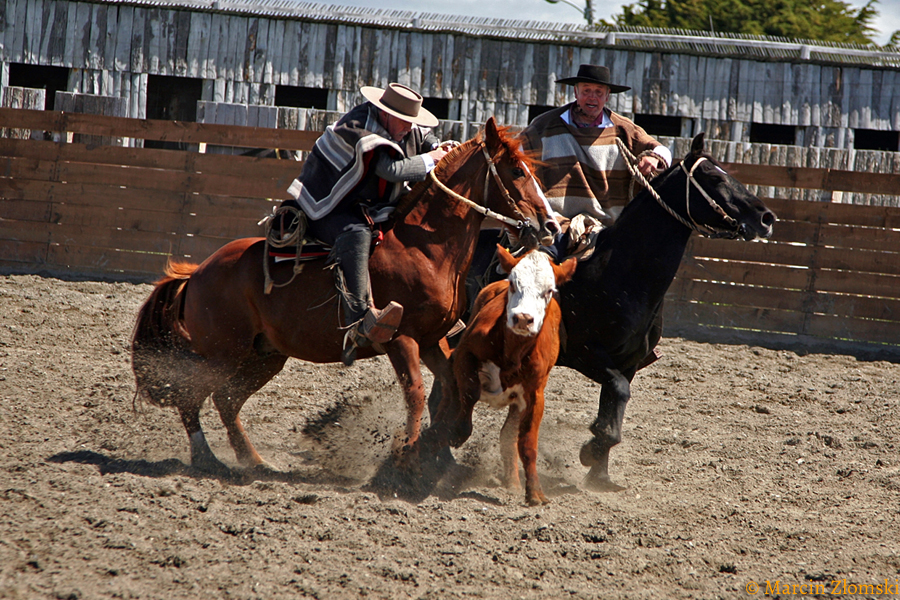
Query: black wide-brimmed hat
594,74
400,101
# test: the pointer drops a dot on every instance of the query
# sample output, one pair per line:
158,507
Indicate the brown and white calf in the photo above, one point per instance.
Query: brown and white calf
504,358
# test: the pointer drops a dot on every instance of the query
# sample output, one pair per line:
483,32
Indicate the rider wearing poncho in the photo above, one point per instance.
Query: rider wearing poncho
351,182
583,170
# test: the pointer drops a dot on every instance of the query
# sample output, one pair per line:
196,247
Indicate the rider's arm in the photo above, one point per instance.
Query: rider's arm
414,168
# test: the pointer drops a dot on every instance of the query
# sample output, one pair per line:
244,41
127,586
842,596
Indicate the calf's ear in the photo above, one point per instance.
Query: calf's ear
565,271
507,260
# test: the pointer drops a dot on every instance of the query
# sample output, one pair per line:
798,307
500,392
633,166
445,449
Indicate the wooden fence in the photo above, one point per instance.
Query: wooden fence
828,280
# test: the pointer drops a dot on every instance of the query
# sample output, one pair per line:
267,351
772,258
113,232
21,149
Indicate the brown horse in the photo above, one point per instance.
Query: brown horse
211,330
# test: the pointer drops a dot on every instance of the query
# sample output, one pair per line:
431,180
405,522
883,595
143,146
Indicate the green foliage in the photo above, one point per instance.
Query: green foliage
824,20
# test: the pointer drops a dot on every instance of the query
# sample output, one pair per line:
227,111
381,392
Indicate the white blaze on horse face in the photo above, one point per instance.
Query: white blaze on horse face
531,286
553,223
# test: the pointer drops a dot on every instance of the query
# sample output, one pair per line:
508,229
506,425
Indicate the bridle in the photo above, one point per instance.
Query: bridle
733,229
519,223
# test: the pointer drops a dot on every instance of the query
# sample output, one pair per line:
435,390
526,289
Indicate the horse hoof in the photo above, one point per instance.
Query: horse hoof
600,483
537,500
264,468
212,466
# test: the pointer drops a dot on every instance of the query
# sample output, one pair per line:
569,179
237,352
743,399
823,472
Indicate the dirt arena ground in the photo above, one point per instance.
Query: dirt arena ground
747,470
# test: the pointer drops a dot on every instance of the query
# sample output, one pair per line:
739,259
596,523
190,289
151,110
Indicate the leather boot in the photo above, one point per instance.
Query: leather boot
366,324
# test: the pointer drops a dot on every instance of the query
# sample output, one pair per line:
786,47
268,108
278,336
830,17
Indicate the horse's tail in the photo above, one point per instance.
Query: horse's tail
160,344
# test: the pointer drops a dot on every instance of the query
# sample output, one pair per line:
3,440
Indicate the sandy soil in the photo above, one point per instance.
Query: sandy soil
744,466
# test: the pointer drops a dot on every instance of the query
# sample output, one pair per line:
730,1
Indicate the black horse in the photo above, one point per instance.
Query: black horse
612,307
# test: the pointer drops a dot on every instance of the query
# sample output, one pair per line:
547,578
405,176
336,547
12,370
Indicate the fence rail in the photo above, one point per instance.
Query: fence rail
829,279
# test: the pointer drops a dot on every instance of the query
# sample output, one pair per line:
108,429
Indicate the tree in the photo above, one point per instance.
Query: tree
823,20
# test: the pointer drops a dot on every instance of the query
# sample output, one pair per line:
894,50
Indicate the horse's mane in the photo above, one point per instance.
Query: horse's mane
509,144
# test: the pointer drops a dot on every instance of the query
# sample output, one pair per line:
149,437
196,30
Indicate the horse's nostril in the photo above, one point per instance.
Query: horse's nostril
769,218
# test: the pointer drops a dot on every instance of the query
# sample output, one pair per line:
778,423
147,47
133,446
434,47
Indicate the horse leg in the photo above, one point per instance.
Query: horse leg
607,429
437,359
509,452
202,457
252,374
403,353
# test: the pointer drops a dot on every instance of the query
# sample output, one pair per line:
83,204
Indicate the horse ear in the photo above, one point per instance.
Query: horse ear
507,260
697,144
564,272
491,135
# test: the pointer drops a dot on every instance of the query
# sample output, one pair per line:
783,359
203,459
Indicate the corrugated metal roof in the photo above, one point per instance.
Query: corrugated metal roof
637,38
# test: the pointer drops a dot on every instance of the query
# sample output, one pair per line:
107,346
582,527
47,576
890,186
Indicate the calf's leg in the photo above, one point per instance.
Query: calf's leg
509,451
529,426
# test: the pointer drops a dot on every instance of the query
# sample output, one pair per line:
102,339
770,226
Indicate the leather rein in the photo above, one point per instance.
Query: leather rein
706,230
492,170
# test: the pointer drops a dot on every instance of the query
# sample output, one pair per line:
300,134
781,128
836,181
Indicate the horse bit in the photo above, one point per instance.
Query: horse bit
710,231
492,170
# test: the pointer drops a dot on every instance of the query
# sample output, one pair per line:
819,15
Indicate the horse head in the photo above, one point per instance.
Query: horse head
715,203
513,191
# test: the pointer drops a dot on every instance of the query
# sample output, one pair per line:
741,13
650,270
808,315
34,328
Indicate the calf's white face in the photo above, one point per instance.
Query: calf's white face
531,286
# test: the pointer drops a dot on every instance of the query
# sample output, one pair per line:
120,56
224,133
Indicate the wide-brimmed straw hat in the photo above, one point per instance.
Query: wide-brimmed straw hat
594,74
400,101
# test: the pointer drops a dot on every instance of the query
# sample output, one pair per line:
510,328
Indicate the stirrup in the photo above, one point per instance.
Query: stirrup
352,341
379,326
456,329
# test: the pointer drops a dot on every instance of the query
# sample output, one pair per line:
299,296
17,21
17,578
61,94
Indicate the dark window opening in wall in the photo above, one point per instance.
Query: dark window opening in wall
52,79
659,124
301,97
535,110
172,99
439,107
766,133
874,139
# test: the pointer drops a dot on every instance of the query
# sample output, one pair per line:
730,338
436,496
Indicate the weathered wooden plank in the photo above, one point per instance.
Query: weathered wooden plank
166,48
261,53
56,34
37,194
23,211
10,27
432,56
748,273
303,72
847,214
42,33
823,179
858,330
199,46
18,254
239,40
851,306
263,168
274,57
340,57
402,59
151,40
81,258
786,254
159,129
137,57
366,58
732,317
180,38
120,56
32,23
